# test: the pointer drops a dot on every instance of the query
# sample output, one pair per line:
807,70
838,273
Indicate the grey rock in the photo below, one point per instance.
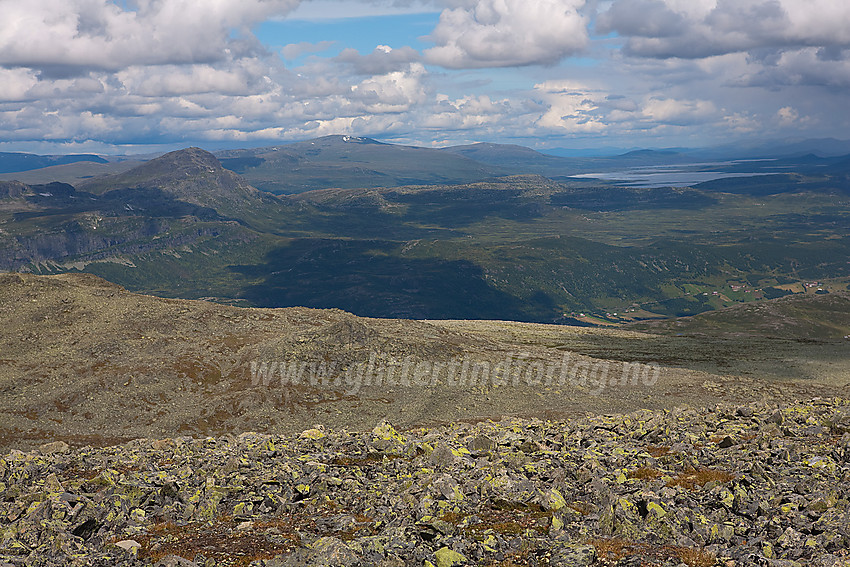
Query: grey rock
776,418
572,556
480,445
325,552
54,447
175,561
442,456
128,544
528,446
744,411
777,494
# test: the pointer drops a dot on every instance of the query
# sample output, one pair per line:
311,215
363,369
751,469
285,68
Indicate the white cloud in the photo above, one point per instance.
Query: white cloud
318,10
64,36
469,113
78,70
807,66
741,123
383,59
28,123
787,115
293,51
673,28
506,33
392,92
678,112
16,84
746,56
172,80
571,107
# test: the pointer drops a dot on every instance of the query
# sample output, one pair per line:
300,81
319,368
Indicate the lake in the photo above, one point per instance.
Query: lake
678,175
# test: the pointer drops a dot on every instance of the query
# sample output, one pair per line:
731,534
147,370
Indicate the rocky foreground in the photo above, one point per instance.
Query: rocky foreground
746,485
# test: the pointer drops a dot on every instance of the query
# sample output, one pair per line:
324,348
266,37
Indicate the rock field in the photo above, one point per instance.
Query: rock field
756,484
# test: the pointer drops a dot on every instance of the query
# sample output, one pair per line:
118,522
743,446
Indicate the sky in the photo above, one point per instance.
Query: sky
136,76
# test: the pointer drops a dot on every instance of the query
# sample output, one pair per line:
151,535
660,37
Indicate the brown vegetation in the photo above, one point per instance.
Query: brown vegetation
694,479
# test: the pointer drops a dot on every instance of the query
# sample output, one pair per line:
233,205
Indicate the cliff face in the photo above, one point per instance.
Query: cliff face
12,189
94,238
18,190
165,204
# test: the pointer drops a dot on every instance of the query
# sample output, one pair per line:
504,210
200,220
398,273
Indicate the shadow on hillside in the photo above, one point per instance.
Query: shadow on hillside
125,202
365,278
457,207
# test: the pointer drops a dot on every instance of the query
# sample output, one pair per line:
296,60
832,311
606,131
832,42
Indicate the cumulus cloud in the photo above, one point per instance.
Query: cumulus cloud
73,36
756,45
172,80
741,123
807,66
16,84
318,10
678,112
293,51
392,92
168,71
469,113
504,33
702,28
383,59
787,115
570,107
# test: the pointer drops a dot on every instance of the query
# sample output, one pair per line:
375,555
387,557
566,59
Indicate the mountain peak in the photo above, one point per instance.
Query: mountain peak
186,159
338,141
351,139
162,171
191,175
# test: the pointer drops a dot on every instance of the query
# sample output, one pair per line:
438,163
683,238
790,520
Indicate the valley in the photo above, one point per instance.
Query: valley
520,247
736,288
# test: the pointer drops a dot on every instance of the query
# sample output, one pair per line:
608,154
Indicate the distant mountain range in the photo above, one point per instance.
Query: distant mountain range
821,147
14,162
348,162
345,162
521,247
